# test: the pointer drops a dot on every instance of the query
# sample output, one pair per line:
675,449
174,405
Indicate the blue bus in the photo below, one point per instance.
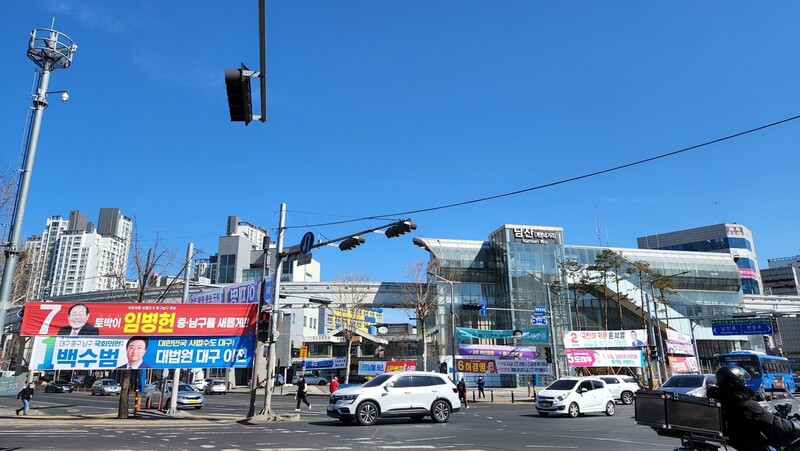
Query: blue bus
766,371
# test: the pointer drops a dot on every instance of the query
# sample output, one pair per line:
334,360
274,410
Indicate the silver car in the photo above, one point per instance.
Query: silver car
690,384
622,388
106,387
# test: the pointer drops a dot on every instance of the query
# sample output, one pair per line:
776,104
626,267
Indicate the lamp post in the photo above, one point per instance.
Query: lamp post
651,332
50,50
452,320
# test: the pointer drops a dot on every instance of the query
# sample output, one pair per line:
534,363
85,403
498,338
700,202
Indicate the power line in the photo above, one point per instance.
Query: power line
559,182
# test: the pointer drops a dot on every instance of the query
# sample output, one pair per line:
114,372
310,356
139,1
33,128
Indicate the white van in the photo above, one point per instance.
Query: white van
574,396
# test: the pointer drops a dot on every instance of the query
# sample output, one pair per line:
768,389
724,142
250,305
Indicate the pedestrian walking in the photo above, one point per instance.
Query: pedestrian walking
302,391
481,384
462,392
25,395
334,384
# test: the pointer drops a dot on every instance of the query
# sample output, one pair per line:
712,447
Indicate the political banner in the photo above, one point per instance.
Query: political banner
503,366
677,337
595,358
582,339
401,365
683,364
208,297
242,293
536,334
371,368
314,364
683,349
11,385
514,352
126,319
140,352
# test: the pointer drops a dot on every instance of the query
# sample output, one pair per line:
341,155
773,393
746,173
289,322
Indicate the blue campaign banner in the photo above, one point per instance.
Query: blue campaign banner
207,297
140,352
242,293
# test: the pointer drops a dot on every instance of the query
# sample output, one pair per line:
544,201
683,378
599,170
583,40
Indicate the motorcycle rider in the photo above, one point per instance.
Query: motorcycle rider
747,424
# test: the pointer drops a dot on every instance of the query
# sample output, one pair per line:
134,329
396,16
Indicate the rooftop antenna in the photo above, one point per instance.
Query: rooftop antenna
597,227
50,50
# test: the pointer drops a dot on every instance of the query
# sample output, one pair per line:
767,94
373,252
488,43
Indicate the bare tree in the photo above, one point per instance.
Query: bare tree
420,299
351,296
146,265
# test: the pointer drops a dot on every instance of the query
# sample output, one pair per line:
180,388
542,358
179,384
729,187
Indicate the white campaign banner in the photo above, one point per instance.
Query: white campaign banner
674,336
523,367
582,339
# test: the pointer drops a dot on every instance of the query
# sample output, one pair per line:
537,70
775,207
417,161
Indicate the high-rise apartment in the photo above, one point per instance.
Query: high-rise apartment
71,256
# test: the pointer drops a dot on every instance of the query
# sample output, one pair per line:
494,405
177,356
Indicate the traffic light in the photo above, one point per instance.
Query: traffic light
351,242
443,367
240,101
470,306
400,228
263,327
548,354
653,351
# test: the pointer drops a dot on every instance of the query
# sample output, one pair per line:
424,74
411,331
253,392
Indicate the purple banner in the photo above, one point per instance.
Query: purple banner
509,352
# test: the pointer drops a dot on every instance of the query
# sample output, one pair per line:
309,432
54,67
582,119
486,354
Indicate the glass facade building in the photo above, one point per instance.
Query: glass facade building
522,267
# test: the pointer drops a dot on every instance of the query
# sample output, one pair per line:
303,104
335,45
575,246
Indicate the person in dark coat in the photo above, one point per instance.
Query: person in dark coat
748,425
481,385
25,395
462,392
302,391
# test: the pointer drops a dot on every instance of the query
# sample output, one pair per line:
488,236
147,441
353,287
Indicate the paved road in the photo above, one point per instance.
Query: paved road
219,426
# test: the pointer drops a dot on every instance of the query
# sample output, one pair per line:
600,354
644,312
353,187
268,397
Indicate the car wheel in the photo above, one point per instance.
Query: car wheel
440,411
367,414
610,408
626,398
92,392
346,420
544,414
417,418
322,383
573,410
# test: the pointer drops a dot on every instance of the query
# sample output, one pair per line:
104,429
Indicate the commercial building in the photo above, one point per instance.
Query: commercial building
729,238
781,277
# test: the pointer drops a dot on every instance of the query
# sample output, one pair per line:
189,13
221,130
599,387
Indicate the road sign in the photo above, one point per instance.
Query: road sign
306,243
303,259
539,310
482,311
537,320
742,326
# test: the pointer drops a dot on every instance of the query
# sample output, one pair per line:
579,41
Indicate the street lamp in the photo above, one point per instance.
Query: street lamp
651,332
452,320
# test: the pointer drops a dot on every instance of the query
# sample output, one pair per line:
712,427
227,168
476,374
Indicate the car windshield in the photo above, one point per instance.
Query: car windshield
377,381
685,381
563,384
185,387
109,382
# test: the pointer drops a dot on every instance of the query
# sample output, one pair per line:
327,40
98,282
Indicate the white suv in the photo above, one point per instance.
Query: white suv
311,379
414,394
622,388
575,396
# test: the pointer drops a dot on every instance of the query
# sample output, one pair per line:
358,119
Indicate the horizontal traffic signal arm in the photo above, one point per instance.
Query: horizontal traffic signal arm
405,224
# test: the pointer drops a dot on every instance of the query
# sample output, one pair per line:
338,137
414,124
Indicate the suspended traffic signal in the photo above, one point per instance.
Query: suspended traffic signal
263,326
470,307
351,242
240,101
548,354
400,228
653,351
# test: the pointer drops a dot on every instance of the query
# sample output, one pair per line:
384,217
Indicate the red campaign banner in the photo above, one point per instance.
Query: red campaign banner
125,319
401,365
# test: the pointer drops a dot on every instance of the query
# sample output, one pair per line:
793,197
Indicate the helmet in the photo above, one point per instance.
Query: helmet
732,376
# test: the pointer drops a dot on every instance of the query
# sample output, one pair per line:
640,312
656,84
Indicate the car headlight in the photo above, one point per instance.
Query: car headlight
560,397
348,398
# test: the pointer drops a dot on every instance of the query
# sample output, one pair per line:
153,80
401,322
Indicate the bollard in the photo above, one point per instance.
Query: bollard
512,397
473,395
137,406
491,395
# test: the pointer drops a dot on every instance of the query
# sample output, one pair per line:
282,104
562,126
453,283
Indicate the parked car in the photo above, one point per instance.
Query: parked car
414,394
105,387
575,396
219,387
622,388
59,387
188,396
690,384
311,379
201,384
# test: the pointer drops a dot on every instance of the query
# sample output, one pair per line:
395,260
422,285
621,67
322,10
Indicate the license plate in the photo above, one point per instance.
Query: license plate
545,403
194,401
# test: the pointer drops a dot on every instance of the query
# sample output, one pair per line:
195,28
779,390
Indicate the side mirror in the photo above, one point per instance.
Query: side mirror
583,390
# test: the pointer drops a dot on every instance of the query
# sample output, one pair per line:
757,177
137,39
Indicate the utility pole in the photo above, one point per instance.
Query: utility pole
50,50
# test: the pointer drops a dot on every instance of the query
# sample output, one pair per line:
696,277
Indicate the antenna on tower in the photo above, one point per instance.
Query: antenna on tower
597,227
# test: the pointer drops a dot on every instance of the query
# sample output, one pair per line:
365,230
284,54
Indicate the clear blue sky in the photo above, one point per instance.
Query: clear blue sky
377,108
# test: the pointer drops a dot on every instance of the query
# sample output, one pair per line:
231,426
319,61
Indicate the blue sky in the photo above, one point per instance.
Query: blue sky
378,108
